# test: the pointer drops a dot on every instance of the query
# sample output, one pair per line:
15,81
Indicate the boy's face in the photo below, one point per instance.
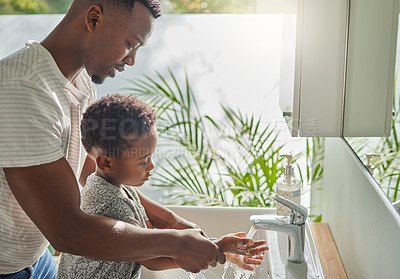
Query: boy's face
115,39
134,166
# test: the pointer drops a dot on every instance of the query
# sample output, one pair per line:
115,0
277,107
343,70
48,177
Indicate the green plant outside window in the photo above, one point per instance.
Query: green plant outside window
238,167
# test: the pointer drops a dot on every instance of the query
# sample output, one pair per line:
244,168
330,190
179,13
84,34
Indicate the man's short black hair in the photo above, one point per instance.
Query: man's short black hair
108,122
127,5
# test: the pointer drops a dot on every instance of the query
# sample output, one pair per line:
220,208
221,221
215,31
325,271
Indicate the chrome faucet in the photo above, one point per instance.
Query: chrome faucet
293,225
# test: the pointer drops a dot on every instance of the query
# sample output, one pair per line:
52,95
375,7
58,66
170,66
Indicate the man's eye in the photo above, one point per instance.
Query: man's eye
132,46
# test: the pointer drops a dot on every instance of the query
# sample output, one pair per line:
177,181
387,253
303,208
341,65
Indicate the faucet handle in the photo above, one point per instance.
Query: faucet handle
299,212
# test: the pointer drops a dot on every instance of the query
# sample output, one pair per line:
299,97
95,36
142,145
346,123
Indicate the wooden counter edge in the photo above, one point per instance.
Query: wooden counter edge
328,253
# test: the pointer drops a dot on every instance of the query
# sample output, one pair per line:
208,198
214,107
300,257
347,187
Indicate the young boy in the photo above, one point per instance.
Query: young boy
119,133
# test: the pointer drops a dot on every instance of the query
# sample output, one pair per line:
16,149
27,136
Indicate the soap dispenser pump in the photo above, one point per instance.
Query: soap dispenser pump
288,186
369,166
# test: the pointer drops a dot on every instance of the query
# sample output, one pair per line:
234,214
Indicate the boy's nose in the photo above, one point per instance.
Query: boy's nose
150,165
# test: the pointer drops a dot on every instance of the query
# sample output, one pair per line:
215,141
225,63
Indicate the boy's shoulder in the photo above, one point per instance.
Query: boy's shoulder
97,188
100,197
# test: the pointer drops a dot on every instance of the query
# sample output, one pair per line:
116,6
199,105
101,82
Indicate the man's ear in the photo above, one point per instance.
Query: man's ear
93,16
104,163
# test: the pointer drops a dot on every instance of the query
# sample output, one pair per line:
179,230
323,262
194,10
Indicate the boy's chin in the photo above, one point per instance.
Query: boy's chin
137,184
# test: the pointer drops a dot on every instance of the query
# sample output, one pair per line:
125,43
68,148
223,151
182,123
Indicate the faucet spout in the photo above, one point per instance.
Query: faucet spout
296,233
271,223
293,226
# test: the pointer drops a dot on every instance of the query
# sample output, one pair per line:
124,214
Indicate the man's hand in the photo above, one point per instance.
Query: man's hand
196,252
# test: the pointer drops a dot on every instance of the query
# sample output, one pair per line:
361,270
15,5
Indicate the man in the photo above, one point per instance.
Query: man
44,88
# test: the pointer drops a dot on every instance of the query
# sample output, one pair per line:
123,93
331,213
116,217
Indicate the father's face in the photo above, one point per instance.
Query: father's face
115,39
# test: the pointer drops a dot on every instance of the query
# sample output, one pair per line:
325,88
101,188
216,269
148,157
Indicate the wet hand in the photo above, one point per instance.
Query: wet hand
239,244
244,262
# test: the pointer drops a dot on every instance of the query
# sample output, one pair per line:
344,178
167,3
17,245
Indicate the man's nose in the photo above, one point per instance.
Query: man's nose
130,59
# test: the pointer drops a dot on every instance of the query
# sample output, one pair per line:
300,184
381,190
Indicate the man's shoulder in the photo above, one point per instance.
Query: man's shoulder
33,68
22,63
24,96
27,78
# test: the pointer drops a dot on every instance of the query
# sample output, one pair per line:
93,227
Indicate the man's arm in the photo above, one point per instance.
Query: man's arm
49,195
240,250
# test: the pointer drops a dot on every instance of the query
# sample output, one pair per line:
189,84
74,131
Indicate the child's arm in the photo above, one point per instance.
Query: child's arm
159,264
161,217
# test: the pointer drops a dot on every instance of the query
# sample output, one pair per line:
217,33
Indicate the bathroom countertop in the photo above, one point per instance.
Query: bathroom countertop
328,253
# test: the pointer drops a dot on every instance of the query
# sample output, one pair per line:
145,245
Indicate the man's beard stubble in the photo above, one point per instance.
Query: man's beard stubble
96,79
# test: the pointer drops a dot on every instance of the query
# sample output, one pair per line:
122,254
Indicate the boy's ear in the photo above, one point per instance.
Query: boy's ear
104,163
93,16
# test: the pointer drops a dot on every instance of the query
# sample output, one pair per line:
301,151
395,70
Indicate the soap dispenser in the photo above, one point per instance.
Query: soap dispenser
288,186
369,166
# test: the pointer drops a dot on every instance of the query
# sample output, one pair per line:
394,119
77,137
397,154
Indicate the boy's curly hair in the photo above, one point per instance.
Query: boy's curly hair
107,123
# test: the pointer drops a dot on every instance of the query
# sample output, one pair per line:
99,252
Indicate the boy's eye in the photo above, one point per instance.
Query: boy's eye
143,164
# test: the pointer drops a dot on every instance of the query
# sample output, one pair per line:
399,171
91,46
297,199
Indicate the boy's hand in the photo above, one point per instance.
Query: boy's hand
244,262
253,250
239,244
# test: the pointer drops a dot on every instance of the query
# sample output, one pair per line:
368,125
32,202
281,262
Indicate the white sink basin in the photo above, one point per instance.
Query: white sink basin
217,221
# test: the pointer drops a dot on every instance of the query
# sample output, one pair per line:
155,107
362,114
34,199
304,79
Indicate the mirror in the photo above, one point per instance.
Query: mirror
381,155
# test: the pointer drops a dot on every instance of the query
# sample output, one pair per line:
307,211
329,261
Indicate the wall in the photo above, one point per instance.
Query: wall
365,226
